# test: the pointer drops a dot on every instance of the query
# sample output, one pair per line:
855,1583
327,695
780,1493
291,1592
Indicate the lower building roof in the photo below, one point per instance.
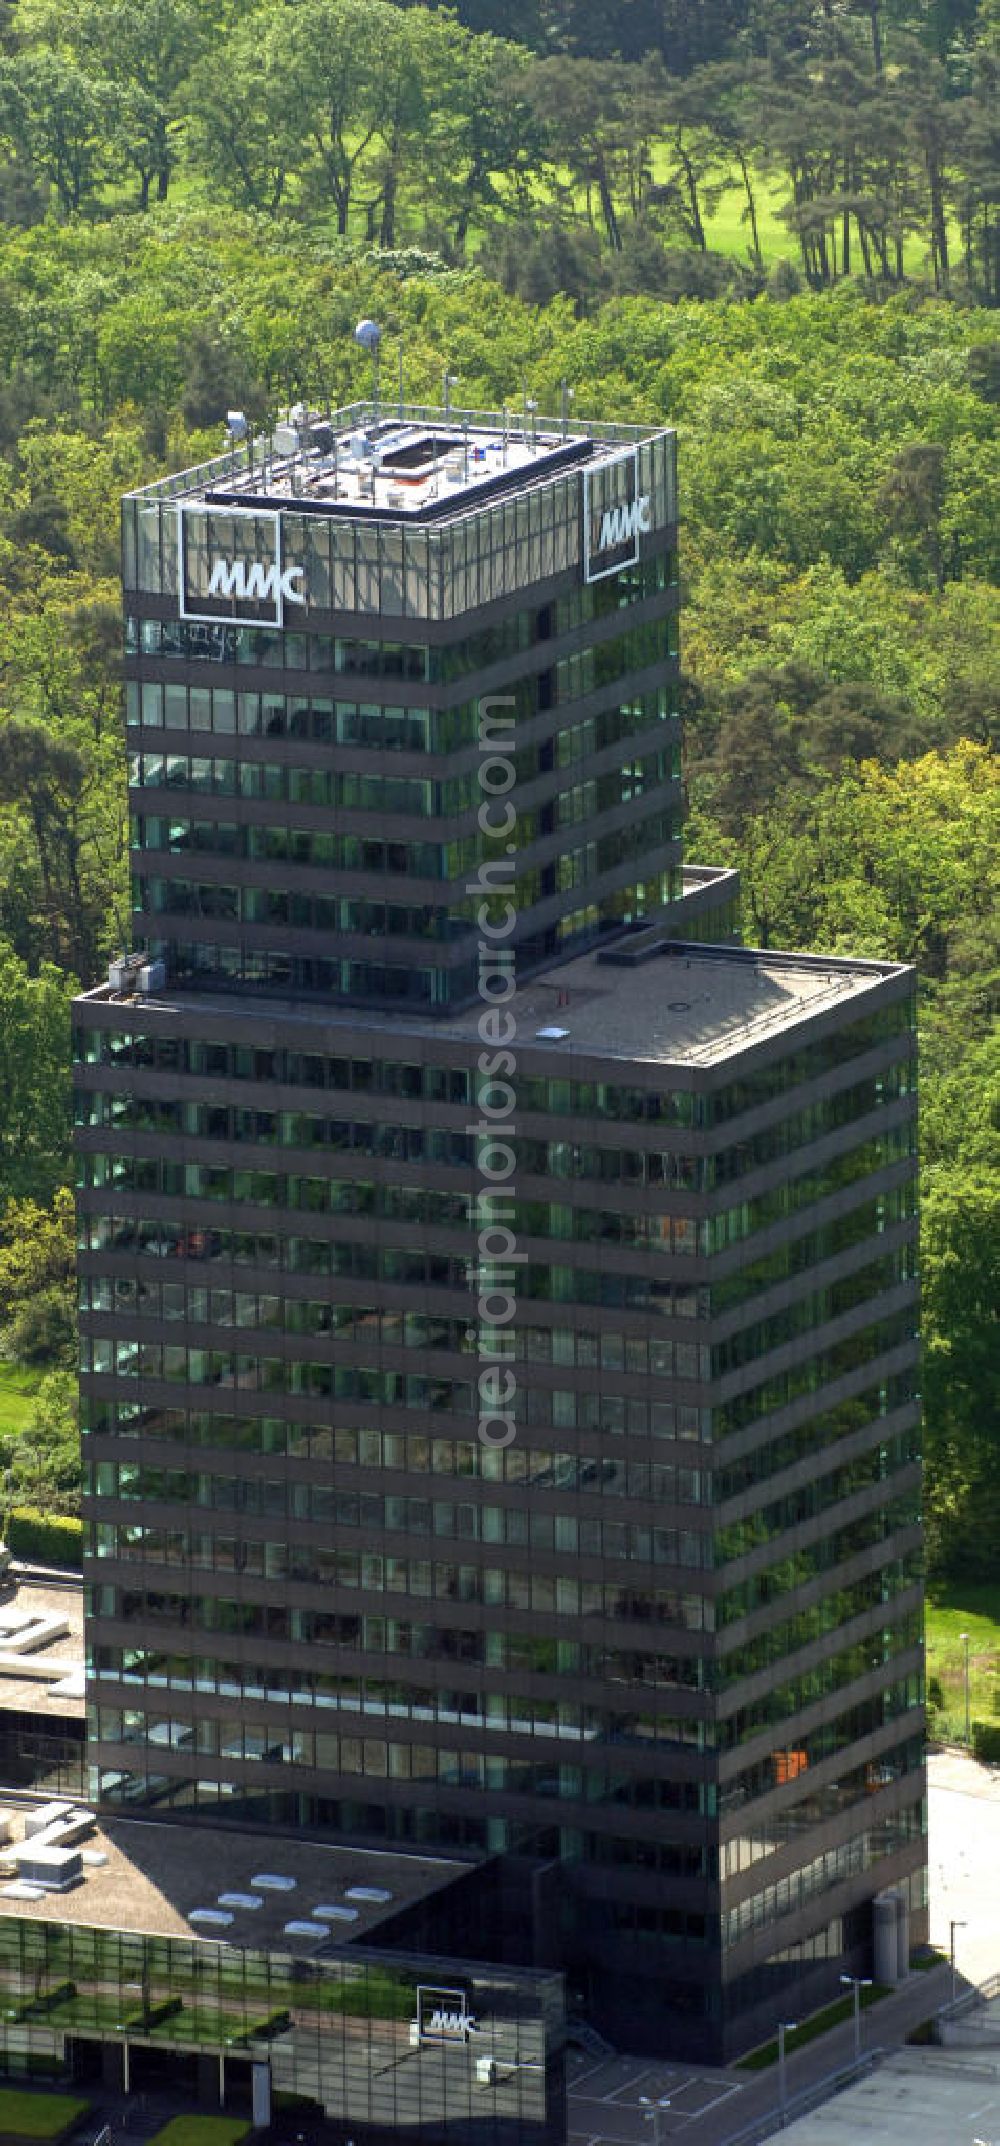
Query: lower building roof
639,1000
160,1880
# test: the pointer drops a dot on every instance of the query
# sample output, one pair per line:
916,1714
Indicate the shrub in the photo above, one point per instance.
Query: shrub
986,1742
48,1539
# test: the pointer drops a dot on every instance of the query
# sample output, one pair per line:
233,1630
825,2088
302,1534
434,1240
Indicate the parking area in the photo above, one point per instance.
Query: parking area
606,2100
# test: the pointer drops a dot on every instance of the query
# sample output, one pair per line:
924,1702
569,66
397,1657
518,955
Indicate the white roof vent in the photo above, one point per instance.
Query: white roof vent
213,1918
270,1881
336,1914
375,1893
305,1929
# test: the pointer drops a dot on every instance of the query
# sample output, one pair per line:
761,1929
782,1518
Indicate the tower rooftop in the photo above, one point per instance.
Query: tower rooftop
410,463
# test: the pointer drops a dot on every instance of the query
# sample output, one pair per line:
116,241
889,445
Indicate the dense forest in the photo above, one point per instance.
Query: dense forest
569,148
772,223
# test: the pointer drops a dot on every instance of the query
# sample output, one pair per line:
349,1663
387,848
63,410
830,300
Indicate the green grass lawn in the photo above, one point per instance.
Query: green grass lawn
38,2116
727,233
951,1611
18,1388
201,2131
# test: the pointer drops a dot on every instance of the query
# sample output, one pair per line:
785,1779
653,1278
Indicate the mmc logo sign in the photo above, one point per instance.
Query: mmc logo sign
443,2015
234,580
615,515
621,525
230,567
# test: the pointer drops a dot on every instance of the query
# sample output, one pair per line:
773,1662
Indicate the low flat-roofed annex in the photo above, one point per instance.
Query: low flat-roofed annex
154,1875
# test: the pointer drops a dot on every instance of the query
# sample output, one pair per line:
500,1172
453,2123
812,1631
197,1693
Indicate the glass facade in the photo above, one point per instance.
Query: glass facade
274,847
550,1641
490,555
665,1640
343,2033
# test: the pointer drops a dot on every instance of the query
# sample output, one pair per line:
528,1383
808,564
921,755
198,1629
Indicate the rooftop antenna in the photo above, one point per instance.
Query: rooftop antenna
566,393
369,335
401,401
448,381
236,430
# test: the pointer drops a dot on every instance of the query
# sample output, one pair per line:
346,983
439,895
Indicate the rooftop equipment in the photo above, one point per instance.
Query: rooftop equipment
55,1869
369,335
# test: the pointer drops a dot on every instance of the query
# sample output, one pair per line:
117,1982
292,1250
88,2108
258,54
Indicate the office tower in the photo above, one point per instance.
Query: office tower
498,1287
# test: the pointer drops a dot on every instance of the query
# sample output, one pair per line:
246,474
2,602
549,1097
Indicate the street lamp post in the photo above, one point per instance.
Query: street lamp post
857,1983
953,1926
785,2026
964,1637
652,2111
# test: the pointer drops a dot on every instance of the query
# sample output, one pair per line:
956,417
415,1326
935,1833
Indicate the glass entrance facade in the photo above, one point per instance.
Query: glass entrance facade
362,2037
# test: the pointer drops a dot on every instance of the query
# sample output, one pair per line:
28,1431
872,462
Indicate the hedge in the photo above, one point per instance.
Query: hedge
146,2017
986,1742
47,1539
202,2131
46,2001
38,2116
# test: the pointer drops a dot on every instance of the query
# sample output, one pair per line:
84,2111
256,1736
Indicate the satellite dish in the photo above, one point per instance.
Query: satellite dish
368,334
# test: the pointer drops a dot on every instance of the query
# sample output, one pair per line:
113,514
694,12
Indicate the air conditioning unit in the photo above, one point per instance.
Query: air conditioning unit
56,1869
39,1821
123,971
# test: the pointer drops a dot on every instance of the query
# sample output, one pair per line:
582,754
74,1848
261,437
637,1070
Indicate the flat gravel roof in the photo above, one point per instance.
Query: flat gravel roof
155,1876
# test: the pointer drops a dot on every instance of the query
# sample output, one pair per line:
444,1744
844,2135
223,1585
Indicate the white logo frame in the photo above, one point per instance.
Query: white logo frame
428,1995
234,617
628,456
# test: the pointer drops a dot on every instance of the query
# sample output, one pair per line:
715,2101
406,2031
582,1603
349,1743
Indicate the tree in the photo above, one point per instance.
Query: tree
34,1078
138,54
690,114
911,500
961,1311
241,134
41,1465
485,138
584,107
58,116
923,86
145,51
328,54
730,98
411,53
38,1280
976,163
